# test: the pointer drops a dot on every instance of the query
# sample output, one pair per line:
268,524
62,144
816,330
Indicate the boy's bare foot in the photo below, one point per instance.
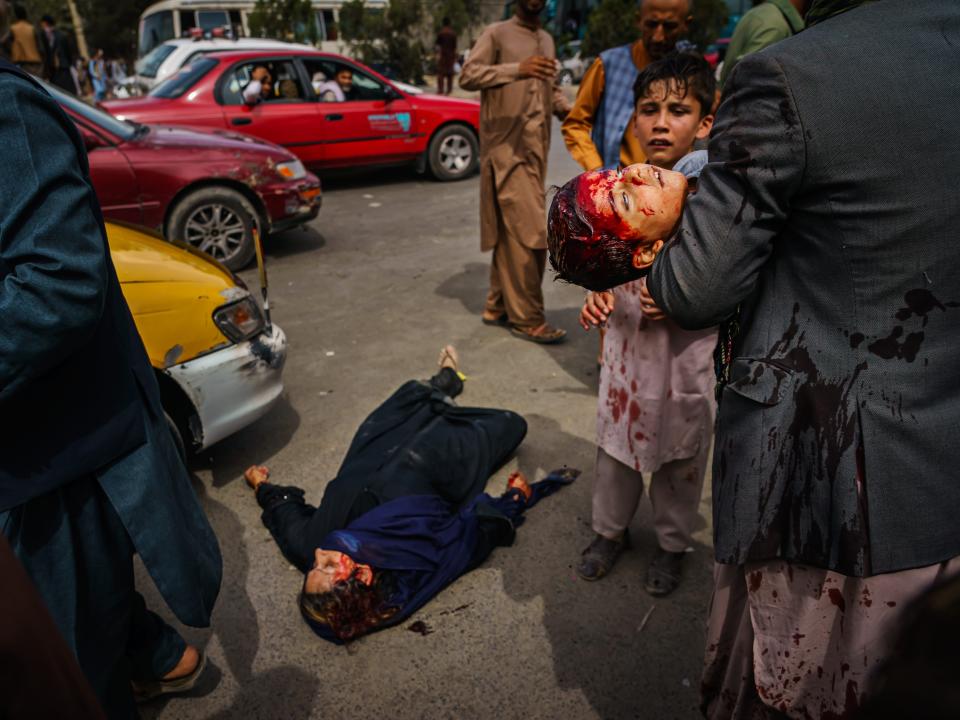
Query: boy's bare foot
256,475
449,358
519,481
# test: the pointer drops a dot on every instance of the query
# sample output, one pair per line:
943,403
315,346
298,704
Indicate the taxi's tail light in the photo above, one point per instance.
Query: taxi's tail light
240,320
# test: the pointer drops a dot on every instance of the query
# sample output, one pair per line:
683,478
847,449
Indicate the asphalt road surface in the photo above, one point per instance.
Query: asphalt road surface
389,272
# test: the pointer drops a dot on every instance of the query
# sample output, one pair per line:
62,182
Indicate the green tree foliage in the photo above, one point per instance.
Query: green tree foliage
291,20
108,24
611,23
460,12
112,25
386,39
614,22
709,19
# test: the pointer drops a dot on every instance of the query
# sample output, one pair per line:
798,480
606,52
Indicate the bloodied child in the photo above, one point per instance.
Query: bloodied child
656,408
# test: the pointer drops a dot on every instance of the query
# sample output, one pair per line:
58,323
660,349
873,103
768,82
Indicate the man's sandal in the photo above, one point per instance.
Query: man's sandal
494,320
599,557
543,334
144,690
663,574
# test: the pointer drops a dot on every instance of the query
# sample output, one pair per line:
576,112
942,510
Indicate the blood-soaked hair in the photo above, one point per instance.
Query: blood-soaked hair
351,608
596,259
685,73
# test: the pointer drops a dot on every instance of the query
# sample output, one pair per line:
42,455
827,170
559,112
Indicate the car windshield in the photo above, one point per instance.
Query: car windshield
149,65
184,79
96,116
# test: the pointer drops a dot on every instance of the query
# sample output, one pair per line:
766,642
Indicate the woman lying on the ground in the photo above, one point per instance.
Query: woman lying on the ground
405,515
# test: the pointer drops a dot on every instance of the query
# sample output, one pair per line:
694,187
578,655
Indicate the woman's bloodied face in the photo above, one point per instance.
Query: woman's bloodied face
640,203
331,567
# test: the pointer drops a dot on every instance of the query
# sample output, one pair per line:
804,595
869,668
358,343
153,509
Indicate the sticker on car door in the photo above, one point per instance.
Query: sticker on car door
390,122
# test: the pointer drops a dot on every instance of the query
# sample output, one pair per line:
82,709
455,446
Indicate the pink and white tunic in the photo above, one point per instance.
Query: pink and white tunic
657,381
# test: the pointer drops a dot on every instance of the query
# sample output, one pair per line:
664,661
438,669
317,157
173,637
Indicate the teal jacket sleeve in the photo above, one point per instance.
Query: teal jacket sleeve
53,263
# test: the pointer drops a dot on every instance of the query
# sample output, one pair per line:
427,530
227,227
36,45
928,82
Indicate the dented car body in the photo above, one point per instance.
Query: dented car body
206,187
218,364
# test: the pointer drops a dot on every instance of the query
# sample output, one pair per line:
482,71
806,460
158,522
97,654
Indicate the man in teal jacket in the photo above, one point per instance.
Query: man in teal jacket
88,471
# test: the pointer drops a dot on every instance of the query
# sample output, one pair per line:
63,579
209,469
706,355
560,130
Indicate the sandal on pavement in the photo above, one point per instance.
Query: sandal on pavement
543,334
144,690
663,573
598,559
495,320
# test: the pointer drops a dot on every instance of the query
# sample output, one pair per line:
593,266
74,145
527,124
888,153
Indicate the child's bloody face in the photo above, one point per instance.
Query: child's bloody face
640,203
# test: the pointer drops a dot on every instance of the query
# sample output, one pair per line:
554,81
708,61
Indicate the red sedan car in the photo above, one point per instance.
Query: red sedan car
208,188
374,122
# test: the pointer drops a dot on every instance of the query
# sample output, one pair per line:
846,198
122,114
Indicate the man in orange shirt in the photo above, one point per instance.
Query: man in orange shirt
27,49
598,132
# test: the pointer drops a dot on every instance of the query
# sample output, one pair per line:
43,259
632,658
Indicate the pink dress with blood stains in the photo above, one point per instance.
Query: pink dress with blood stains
656,386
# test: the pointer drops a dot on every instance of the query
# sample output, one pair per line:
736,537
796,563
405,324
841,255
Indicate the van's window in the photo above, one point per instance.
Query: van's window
211,19
329,25
285,85
149,65
184,79
236,23
154,29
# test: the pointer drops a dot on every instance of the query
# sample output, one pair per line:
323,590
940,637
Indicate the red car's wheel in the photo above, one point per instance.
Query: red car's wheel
454,153
219,221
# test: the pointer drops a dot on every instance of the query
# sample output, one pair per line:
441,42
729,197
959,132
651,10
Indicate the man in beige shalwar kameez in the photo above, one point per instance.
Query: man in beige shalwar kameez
514,65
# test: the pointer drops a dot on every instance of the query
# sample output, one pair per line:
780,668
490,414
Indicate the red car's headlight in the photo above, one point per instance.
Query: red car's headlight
293,170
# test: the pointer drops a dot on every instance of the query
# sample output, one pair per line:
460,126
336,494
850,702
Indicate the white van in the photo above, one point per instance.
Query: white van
174,19
168,57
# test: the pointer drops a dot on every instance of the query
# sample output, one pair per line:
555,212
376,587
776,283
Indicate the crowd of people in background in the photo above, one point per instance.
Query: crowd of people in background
50,53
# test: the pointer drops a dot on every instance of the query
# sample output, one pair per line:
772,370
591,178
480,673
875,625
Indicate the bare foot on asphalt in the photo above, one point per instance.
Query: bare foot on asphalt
449,358
519,481
256,475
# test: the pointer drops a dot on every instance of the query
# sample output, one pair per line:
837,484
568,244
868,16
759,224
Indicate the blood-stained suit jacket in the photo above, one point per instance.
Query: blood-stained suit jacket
829,214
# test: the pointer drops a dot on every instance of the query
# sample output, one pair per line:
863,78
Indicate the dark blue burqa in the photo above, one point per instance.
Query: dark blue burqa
408,499
426,543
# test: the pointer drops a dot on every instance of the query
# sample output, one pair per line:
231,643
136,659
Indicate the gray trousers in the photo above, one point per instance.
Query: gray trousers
674,494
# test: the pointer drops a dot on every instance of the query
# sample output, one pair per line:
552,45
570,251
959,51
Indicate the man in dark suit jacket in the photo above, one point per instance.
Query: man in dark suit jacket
824,234
60,55
88,470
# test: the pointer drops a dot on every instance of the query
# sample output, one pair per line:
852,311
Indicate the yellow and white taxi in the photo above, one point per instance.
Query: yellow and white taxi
218,363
